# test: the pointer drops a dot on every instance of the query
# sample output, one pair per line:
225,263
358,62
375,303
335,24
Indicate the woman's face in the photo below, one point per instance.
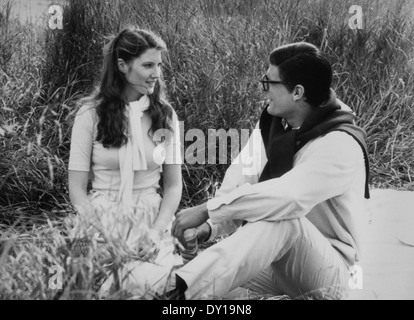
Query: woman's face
142,74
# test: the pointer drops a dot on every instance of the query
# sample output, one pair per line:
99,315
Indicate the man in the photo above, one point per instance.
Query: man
300,230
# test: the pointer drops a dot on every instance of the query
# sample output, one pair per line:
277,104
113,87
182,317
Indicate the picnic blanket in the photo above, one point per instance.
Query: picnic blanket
387,262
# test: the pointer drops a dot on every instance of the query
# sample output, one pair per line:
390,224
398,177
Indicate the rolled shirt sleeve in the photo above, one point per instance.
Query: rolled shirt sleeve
324,168
82,140
245,168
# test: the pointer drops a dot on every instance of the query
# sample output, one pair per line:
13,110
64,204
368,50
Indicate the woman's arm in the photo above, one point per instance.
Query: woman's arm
78,182
80,157
172,195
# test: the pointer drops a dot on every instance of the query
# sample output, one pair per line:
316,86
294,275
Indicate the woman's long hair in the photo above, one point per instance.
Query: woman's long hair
110,106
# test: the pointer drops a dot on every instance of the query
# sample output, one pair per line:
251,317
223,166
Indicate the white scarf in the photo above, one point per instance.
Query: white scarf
132,154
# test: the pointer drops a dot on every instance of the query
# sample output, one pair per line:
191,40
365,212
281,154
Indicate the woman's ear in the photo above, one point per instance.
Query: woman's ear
122,66
299,93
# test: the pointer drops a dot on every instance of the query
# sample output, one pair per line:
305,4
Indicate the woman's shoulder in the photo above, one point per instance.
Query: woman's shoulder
87,112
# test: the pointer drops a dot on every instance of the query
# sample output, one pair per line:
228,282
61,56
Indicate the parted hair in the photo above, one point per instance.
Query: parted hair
107,98
303,63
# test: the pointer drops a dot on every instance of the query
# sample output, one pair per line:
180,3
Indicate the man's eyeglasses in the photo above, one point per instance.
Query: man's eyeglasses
266,81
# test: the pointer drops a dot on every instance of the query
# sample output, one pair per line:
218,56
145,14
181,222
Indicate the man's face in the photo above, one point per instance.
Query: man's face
280,100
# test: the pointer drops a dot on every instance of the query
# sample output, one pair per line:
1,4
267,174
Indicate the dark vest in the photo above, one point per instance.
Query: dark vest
282,143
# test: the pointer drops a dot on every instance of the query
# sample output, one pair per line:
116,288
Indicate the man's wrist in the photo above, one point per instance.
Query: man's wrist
204,232
210,230
204,211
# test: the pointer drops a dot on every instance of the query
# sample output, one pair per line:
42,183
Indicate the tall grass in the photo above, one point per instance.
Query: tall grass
217,51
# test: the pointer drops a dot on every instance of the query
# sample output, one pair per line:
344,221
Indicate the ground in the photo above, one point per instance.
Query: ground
387,263
388,247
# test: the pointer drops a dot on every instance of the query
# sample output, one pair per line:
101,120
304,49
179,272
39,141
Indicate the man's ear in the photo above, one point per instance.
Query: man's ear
122,66
299,93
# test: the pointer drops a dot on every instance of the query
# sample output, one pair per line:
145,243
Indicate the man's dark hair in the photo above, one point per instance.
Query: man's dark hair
303,63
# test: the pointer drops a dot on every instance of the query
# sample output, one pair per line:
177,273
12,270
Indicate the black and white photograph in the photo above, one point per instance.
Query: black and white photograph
223,153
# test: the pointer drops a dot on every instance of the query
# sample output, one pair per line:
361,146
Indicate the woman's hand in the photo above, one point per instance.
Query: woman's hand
148,253
149,249
187,219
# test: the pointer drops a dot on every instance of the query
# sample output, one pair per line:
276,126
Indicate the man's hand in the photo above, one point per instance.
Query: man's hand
187,219
203,232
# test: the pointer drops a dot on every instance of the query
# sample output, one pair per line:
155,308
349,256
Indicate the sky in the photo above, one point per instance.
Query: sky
30,10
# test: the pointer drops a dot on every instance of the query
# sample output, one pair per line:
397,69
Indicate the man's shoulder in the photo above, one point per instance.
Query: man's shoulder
338,141
335,135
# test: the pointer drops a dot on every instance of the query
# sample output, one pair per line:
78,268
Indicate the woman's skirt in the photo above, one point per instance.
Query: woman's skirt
129,230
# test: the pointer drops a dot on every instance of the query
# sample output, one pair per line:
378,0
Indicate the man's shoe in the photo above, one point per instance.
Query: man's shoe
176,294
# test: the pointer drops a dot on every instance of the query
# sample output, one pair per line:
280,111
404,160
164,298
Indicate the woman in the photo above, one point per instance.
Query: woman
121,136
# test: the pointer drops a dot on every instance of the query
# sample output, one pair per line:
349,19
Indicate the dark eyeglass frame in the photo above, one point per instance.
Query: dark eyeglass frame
266,81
